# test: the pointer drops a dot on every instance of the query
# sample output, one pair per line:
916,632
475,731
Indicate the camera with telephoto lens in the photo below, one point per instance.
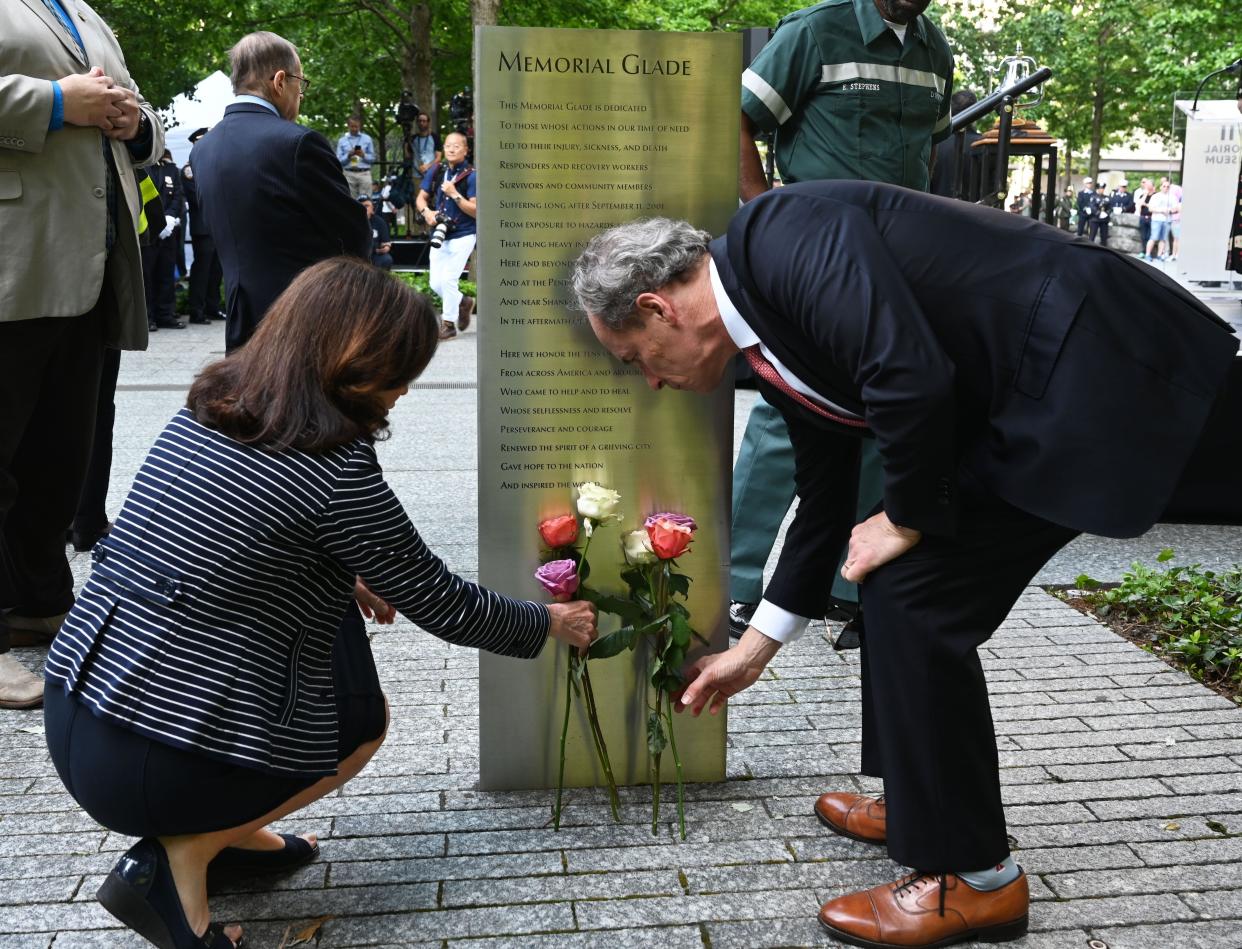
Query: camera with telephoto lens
443,228
461,109
407,111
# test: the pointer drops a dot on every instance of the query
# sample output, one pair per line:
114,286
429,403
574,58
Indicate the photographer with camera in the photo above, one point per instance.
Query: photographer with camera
425,145
446,204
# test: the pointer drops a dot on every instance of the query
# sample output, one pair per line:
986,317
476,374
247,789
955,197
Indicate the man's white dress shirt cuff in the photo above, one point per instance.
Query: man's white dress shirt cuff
778,623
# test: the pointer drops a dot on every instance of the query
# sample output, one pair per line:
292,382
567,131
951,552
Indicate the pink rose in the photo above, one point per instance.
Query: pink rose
559,531
559,577
670,533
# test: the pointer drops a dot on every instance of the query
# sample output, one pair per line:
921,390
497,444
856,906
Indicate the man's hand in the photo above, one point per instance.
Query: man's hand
373,606
92,99
429,216
125,126
449,189
875,542
712,679
573,624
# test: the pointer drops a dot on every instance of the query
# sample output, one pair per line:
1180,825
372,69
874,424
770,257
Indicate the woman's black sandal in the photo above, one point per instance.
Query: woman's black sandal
141,893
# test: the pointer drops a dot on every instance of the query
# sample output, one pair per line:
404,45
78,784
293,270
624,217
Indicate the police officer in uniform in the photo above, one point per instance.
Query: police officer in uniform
205,273
159,259
1085,197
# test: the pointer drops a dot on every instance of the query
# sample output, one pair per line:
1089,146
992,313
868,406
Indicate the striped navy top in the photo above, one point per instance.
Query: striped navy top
208,619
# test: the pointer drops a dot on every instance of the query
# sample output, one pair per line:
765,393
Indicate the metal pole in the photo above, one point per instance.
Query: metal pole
1001,174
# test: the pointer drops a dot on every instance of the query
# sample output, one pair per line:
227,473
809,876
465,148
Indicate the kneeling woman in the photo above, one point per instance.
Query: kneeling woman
190,695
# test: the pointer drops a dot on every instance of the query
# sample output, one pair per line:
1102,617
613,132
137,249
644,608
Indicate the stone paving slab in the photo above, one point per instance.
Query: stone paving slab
1113,765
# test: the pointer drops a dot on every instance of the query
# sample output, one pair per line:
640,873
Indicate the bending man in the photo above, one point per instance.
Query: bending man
1008,389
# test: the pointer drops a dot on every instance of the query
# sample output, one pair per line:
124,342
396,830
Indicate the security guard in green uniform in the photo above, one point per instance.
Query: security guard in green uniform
852,89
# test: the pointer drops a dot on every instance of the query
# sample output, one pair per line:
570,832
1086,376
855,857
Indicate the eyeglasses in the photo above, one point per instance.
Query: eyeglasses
303,84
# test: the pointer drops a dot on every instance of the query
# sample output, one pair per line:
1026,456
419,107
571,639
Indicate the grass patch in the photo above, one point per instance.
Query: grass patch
1189,617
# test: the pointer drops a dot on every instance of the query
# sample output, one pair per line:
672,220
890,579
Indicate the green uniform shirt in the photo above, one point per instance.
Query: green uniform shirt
849,100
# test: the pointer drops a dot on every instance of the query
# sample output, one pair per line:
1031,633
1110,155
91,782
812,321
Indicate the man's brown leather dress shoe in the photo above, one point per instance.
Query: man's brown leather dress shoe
924,910
855,816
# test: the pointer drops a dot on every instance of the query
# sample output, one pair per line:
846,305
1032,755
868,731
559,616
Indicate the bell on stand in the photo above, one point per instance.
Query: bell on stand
1011,71
1020,136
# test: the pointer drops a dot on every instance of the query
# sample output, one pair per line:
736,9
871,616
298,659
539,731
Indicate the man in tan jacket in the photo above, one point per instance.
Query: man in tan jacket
72,125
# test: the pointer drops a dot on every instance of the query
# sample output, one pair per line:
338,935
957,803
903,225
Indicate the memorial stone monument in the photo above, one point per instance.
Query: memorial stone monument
577,131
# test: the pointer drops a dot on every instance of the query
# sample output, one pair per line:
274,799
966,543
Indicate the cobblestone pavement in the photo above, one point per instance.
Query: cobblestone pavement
1122,779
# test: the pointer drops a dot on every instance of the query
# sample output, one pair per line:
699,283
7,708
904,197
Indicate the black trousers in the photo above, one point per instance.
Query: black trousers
927,724
159,261
92,513
1101,228
205,277
49,383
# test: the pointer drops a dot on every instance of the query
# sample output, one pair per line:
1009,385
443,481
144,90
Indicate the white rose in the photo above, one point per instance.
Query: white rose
597,502
637,546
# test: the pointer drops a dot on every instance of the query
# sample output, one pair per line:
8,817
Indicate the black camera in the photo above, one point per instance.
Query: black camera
441,231
461,108
407,111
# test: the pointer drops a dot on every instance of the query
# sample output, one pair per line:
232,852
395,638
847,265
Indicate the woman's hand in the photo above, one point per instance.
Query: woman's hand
373,607
573,624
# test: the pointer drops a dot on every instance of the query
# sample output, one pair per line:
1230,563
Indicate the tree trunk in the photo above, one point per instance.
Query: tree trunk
416,58
1097,135
484,12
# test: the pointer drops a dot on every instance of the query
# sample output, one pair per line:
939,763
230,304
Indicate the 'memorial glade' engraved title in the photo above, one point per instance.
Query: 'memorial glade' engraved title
631,64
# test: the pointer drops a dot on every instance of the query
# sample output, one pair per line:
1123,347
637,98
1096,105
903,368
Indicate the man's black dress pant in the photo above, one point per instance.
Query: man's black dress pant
205,277
49,384
927,722
92,513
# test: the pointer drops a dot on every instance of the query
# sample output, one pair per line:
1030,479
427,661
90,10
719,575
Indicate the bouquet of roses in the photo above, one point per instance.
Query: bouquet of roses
563,574
652,613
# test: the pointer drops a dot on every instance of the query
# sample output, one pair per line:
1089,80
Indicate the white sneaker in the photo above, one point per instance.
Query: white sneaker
19,687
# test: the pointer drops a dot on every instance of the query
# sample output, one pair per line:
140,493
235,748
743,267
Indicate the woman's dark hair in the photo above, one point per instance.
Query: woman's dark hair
311,376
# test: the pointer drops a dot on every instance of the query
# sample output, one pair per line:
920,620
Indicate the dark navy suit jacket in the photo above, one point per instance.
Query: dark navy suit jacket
275,201
1067,379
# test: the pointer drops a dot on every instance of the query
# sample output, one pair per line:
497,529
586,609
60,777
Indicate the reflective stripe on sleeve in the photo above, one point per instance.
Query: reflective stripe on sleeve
843,72
941,125
767,95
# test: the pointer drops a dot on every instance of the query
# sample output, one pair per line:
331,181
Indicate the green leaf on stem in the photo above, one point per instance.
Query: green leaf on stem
679,583
629,611
681,631
635,579
610,645
656,741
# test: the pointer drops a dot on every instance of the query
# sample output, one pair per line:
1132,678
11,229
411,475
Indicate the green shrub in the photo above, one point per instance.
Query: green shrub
1190,615
422,283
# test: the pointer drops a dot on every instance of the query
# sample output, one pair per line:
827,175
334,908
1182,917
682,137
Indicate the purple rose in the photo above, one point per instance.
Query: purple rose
676,521
559,577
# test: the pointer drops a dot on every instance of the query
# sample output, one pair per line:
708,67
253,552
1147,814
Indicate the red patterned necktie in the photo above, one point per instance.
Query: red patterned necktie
767,372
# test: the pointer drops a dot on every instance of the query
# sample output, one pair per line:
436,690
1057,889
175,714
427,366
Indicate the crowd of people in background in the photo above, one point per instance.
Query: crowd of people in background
371,181
1090,210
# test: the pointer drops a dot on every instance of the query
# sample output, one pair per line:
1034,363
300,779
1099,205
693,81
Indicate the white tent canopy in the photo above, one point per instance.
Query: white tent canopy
202,108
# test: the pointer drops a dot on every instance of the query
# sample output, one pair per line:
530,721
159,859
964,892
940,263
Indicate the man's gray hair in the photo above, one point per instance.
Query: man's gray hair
257,57
631,259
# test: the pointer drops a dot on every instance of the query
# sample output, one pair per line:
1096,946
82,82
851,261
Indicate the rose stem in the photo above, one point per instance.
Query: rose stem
672,744
560,778
601,748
